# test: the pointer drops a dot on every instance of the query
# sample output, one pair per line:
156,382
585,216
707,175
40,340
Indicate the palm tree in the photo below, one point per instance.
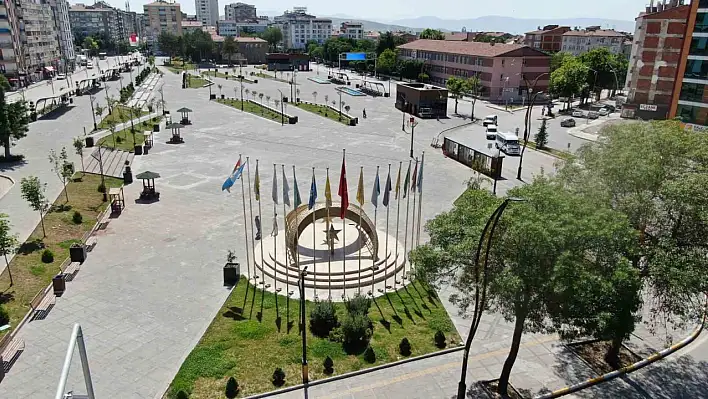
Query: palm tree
314,95
347,108
99,110
297,93
112,127
247,92
260,96
276,102
254,94
220,87
268,101
326,99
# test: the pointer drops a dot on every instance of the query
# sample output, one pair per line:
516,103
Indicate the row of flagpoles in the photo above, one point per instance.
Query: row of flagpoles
412,183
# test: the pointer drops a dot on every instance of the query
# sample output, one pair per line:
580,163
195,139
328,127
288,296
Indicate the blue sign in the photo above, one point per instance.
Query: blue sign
355,56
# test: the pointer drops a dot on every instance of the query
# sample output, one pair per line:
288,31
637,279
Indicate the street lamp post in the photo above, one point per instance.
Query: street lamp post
480,298
281,94
413,125
527,119
93,113
303,330
282,106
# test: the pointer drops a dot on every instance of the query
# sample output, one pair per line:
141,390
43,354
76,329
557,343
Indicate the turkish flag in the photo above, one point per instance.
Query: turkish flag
343,191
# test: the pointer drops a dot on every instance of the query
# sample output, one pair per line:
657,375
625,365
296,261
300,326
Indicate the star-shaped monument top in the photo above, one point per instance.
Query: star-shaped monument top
332,234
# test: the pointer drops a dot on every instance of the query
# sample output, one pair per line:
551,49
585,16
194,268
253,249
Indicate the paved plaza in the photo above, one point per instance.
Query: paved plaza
153,283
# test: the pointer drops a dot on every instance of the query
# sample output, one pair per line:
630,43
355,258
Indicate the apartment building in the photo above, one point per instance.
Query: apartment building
690,97
655,59
162,16
88,20
236,28
351,30
12,61
191,26
581,41
549,39
239,12
65,37
503,69
207,11
299,27
39,38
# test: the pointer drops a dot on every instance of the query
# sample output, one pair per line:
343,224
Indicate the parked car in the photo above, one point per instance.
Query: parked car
489,120
578,114
610,108
603,112
568,122
593,115
61,76
89,65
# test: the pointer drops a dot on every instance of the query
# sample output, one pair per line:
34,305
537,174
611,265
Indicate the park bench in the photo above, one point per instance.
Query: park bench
41,305
71,270
90,243
10,350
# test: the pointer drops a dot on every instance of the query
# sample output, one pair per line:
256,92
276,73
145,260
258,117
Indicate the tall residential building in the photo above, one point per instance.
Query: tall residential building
207,11
352,30
550,38
299,27
690,97
88,20
60,8
40,42
502,69
162,16
655,59
577,42
239,12
12,61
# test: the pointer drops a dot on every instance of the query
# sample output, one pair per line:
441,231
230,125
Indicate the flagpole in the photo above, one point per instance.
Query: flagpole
405,231
253,238
245,222
297,222
398,217
314,239
361,204
275,232
386,249
344,235
374,256
327,227
287,261
261,219
420,201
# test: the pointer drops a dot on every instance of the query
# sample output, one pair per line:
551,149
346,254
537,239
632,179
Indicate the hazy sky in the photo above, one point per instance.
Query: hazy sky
448,9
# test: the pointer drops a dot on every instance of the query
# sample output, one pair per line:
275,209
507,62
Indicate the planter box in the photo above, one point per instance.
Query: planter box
222,96
77,253
232,272
292,119
89,141
59,284
156,127
387,94
285,99
127,177
138,150
255,80
212,96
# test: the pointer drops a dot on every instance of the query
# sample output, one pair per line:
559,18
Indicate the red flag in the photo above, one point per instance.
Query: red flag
343,191
415,173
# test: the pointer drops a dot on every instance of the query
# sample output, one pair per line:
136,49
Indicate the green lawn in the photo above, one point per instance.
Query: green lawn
324,112
195,82
271,77
177,66
255,109
241,342
552,151
120,114
123,139
29,273
215,74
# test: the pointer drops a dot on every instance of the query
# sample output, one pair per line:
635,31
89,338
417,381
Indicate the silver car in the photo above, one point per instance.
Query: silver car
568,122
578,114
603,112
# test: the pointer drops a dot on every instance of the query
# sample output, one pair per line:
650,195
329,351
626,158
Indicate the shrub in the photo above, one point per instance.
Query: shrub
231,388
336,335
119,139
404,347
323,318
370,355
328,365
77,218
5,319
440,339
358,305
278,377
47,256
356,332
182,395
101,188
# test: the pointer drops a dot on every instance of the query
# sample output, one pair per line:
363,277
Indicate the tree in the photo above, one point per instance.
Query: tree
33,191
432,34
62,167
90,44
569,79
4,83
220,87
457,88
98,110
314,96
557,59
228,48
599,65
473,88
386,62
79,145
14,120
169,43
8,242
655,174
539,247
541,137
273,36
388,41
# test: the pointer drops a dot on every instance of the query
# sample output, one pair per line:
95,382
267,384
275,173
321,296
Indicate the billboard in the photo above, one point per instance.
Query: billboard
355,56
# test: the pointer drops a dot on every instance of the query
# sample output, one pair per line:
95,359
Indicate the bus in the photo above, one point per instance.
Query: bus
508,143
101,56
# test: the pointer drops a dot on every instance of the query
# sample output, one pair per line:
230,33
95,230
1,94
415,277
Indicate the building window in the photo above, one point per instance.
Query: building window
694,92
701,23
696,69
699,46
692,114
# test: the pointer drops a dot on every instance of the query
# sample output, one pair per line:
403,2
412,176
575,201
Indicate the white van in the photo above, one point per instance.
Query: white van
492,132
508,143
489,120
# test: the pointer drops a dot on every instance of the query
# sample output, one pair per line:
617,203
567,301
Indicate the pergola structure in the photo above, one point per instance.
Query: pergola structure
176,134
185,115
148,179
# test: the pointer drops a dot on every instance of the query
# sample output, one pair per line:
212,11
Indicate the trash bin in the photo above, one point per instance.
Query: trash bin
138,150
59,284
231,274
89,141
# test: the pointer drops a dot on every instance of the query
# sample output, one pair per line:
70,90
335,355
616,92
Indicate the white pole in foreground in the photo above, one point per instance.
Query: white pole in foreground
77,337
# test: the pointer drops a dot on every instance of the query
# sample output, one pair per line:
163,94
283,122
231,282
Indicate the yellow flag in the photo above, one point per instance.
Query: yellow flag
398,180
258,184
360,189
328,192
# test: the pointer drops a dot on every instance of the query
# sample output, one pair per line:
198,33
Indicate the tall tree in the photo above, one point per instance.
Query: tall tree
169,43
79,146
90,44
8,242
34,192
273,36
599,74
386,62
557,59
538,245
61,167
473,88
14,121
388,41
229,48
457,88
541,137
569,80
433,34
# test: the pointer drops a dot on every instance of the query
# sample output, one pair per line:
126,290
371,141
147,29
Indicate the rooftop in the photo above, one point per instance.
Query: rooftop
598,33
249,40
193,24
548,29
160,3
467,48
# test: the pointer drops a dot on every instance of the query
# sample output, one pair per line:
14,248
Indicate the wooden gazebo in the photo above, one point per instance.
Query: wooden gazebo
148,139
184,111
148,179
176,134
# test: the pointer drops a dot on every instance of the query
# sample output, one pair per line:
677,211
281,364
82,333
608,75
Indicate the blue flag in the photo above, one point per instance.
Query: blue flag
296,192
387,189
235,175
376,190
313,192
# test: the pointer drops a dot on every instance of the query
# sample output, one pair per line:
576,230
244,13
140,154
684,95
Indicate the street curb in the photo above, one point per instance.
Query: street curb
356,373
627,369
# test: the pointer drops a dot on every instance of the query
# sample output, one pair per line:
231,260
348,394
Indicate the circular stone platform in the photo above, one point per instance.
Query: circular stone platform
346,272
6,183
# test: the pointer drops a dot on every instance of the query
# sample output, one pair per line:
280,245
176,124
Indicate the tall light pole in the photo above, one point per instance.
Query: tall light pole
413,125
93,113
282,106
527,122
480,297
281,94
